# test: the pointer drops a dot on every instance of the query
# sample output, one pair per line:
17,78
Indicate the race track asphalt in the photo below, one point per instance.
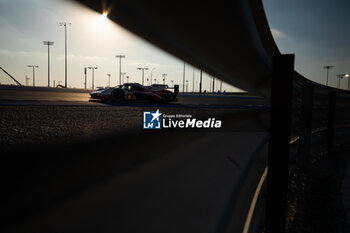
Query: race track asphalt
39,115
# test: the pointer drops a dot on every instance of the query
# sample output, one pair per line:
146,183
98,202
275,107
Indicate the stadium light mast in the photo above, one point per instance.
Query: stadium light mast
33,66
193,81
164,76
123,76
85,74
339,76
27,80
200,82
213,83
348,77
93,74
48,43
183,77
327,68
65,51
109,79
143,72
152,74
120,67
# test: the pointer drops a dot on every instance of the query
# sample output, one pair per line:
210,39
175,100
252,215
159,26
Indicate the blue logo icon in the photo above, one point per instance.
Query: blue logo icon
151,120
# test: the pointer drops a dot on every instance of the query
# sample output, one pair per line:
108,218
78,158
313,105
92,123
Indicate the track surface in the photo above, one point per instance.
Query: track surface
13,95
81,147
31,115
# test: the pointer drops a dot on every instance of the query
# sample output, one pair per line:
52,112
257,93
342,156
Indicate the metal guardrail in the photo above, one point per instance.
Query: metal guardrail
320,119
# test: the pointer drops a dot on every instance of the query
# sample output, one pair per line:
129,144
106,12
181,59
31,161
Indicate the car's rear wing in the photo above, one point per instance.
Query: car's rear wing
176,89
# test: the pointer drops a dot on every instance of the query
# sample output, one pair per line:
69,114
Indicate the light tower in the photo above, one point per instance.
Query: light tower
183,77
33,66
93,75
48,43
152,74
164,76
143,72
27,80
65,51
339,76
120,67
327,68
348,77
109,79
123,75
85,74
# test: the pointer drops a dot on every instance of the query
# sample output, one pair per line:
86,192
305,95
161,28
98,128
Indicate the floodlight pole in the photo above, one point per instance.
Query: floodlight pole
143,71
193,81
200,82
348,77
123,75
93,75
65,51
109,79
48,43
183,77
213,83
327,68
27,80
33,66
152,74
85,73
120,67
164,76
339,76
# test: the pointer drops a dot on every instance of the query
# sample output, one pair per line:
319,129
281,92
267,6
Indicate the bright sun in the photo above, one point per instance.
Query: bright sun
104,16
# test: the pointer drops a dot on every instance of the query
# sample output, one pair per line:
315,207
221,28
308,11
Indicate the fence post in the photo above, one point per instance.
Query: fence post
305,127
278,158
332,101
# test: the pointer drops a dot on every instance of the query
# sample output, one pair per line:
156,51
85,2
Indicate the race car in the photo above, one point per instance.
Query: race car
136,91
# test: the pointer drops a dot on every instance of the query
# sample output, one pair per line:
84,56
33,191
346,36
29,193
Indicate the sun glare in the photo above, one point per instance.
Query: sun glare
104,16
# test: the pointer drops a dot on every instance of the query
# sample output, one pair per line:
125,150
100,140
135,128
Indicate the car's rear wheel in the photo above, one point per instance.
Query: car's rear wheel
168,97
117,95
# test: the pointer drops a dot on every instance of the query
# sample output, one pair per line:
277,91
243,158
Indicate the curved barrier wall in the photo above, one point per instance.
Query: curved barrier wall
228,39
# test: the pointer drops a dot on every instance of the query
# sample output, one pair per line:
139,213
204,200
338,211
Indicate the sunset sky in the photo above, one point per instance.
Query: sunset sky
92,41
317,31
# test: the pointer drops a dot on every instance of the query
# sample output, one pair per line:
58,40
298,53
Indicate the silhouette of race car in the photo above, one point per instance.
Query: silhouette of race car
136,91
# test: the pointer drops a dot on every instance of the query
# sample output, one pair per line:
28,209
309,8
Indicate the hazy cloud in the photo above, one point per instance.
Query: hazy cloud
277,34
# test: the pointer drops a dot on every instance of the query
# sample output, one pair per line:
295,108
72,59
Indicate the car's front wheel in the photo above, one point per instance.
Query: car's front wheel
117,95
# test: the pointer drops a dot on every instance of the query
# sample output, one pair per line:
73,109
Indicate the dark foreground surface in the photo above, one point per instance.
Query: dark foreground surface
75,166
319,198
49,124
93,169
